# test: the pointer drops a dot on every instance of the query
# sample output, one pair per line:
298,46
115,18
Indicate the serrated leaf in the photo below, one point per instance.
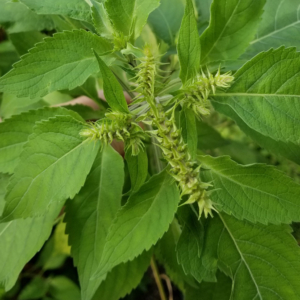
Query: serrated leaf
138,168
219,290
123,278
53,167
257,192
166,19
233,24
264,101
14,133
76,9
188,46
189,130
112,89
130,16
279,26
148,213
190,243
90,214
16,17
21,239
263,261
55,64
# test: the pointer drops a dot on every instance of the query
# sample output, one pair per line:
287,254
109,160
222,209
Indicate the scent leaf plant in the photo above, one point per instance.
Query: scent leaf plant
204,98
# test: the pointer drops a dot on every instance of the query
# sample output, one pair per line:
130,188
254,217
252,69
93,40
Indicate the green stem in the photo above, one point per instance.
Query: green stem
157,279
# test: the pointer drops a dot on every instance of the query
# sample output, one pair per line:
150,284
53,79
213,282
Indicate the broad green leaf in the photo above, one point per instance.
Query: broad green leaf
219,290
60,62
16,17
62,288
233,24
14,133
12,105
87,112
263,261
123,278
190,243
189,130
165,253
279,26
264,101
4,179
76,9
209,138
188,46
166,19
20,240
148,213
90,214
130,16
53,167
138,169
23,41
112,89
257,192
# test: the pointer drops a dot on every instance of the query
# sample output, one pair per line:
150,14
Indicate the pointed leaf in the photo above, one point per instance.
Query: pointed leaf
264,101
14,133
258,193
55,64
130,16
263,261
188,46
113,91
148,212
90,214
138,168
123,278
233,24
54,165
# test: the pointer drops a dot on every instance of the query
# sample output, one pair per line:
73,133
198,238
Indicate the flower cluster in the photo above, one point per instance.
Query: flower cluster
117,126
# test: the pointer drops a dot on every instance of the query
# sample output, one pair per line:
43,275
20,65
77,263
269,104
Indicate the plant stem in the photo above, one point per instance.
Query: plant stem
157,279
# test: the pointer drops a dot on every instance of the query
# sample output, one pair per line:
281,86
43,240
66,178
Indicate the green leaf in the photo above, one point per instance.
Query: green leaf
16,17
53,167
123,278
188,46
279,26
138,168
90,214
20,240
55,64
232,26
209,138
23,41
76,9
4,179
190,243
166,19
14,134
203,9
219,290
263,261
257,192
35,289
130,16
8,56
148,213
264,101
112,89
189,130
62,288
12,105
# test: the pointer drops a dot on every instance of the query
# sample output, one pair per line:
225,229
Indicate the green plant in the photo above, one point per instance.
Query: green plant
195,193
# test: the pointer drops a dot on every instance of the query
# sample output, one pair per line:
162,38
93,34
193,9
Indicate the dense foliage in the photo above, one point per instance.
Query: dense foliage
202,196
